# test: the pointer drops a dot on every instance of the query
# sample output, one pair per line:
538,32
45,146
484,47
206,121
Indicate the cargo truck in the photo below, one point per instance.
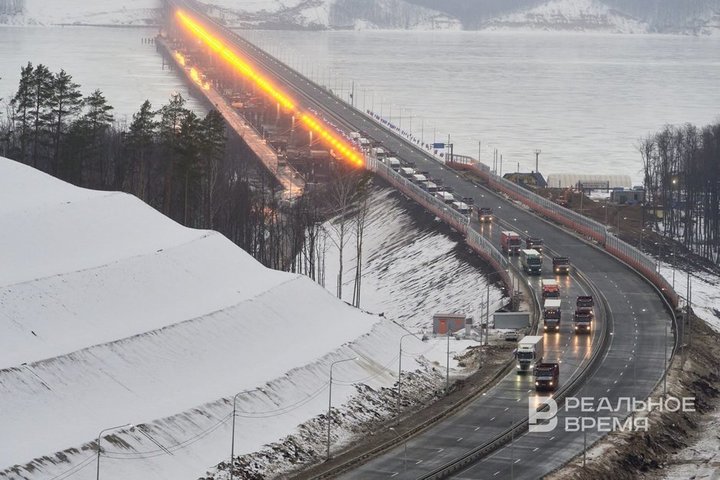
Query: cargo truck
582,321
534,243
552,314
585,303
531,261
529,353
550,288
485,215
510,242
547,376
561,265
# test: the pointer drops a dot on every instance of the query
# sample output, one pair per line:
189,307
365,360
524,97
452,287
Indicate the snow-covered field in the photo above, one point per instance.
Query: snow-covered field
113,314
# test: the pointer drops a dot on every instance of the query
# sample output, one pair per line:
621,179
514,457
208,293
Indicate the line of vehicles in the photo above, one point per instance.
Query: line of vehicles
463,205
530,350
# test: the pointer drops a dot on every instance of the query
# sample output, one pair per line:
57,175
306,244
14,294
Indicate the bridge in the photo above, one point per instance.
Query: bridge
625,355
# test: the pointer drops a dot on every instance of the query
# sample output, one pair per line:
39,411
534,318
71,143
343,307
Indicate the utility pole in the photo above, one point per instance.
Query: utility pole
447,369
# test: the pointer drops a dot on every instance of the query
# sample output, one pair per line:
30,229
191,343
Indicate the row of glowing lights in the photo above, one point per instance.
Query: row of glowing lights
337,144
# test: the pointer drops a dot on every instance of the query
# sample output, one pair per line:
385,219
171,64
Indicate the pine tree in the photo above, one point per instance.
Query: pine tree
41,85
97,119
64,103
171,117
139,142
188,158
22,104
213,149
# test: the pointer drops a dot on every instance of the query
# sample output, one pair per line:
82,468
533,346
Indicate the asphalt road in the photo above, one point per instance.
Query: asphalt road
636,316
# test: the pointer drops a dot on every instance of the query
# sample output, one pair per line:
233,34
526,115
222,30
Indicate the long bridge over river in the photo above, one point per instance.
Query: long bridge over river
625,356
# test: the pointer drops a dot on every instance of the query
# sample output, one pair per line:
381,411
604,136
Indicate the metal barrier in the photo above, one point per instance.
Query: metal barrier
452,217
583,225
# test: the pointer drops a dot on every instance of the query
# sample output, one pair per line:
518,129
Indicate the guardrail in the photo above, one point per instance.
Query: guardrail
520,427
583,225
449,215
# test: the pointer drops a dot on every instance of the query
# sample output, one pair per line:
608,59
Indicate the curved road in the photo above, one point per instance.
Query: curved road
636,316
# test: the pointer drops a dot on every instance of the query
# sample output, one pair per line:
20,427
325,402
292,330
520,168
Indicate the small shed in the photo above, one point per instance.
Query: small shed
627,197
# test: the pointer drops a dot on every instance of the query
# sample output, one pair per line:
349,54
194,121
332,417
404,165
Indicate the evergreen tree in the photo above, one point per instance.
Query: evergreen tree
139,144
97,119
64,102
213,151
171,118
22,105
41,87
188,156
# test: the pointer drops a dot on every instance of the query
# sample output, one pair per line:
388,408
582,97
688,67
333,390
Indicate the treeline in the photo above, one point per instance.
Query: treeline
184,166
11,7
681,167
177,162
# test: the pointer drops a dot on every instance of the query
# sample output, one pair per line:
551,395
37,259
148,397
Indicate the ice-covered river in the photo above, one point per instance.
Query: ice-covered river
584,100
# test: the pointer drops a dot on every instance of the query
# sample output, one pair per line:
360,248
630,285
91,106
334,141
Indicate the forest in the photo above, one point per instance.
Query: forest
681,175
186,167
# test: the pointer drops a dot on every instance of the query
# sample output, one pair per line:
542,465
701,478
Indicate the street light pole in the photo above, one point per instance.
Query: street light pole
447,369
232,442
330,401
397,408
98,443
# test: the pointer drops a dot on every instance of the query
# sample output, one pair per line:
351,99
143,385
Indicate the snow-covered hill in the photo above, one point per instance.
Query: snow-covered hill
570,15
112,314
82,12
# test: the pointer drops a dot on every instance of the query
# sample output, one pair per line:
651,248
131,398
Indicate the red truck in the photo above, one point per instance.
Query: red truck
510,242
547,376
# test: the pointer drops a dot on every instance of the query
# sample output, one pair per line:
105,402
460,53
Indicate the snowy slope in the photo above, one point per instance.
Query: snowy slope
111,313
96,12
571,15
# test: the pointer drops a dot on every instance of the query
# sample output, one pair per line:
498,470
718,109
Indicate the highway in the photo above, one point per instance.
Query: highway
630,308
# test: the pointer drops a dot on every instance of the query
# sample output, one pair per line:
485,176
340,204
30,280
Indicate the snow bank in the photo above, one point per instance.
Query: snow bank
111,313
82,12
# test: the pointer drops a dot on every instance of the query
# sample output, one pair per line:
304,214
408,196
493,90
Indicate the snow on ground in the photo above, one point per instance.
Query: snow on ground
705,294
701,459
96,12
576,15
411,271
111,313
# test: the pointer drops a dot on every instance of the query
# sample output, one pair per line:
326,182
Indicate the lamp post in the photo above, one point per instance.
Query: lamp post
232,442
392,429
330,400
397,408
98,443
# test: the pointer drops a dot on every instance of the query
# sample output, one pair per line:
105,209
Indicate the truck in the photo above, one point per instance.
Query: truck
547,376
531,261
510,242
552,314
445,197
485,214
461,207
393,163
534,243
561,265
550,288
529,353
585,303
583,321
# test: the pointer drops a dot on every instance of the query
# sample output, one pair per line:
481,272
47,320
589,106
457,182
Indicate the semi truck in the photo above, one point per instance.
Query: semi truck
534,243
510,242
529,353
585,303
550,288
547,376
583,321
552,314
531,261
485,215
561,265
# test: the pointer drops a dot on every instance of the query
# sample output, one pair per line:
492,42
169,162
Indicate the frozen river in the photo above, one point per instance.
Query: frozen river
584,100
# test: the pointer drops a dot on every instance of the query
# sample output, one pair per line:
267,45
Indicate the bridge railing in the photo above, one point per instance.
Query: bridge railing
447,214
583,225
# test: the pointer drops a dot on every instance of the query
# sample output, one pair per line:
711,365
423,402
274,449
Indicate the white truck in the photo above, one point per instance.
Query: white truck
552,314
393,163
529,353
